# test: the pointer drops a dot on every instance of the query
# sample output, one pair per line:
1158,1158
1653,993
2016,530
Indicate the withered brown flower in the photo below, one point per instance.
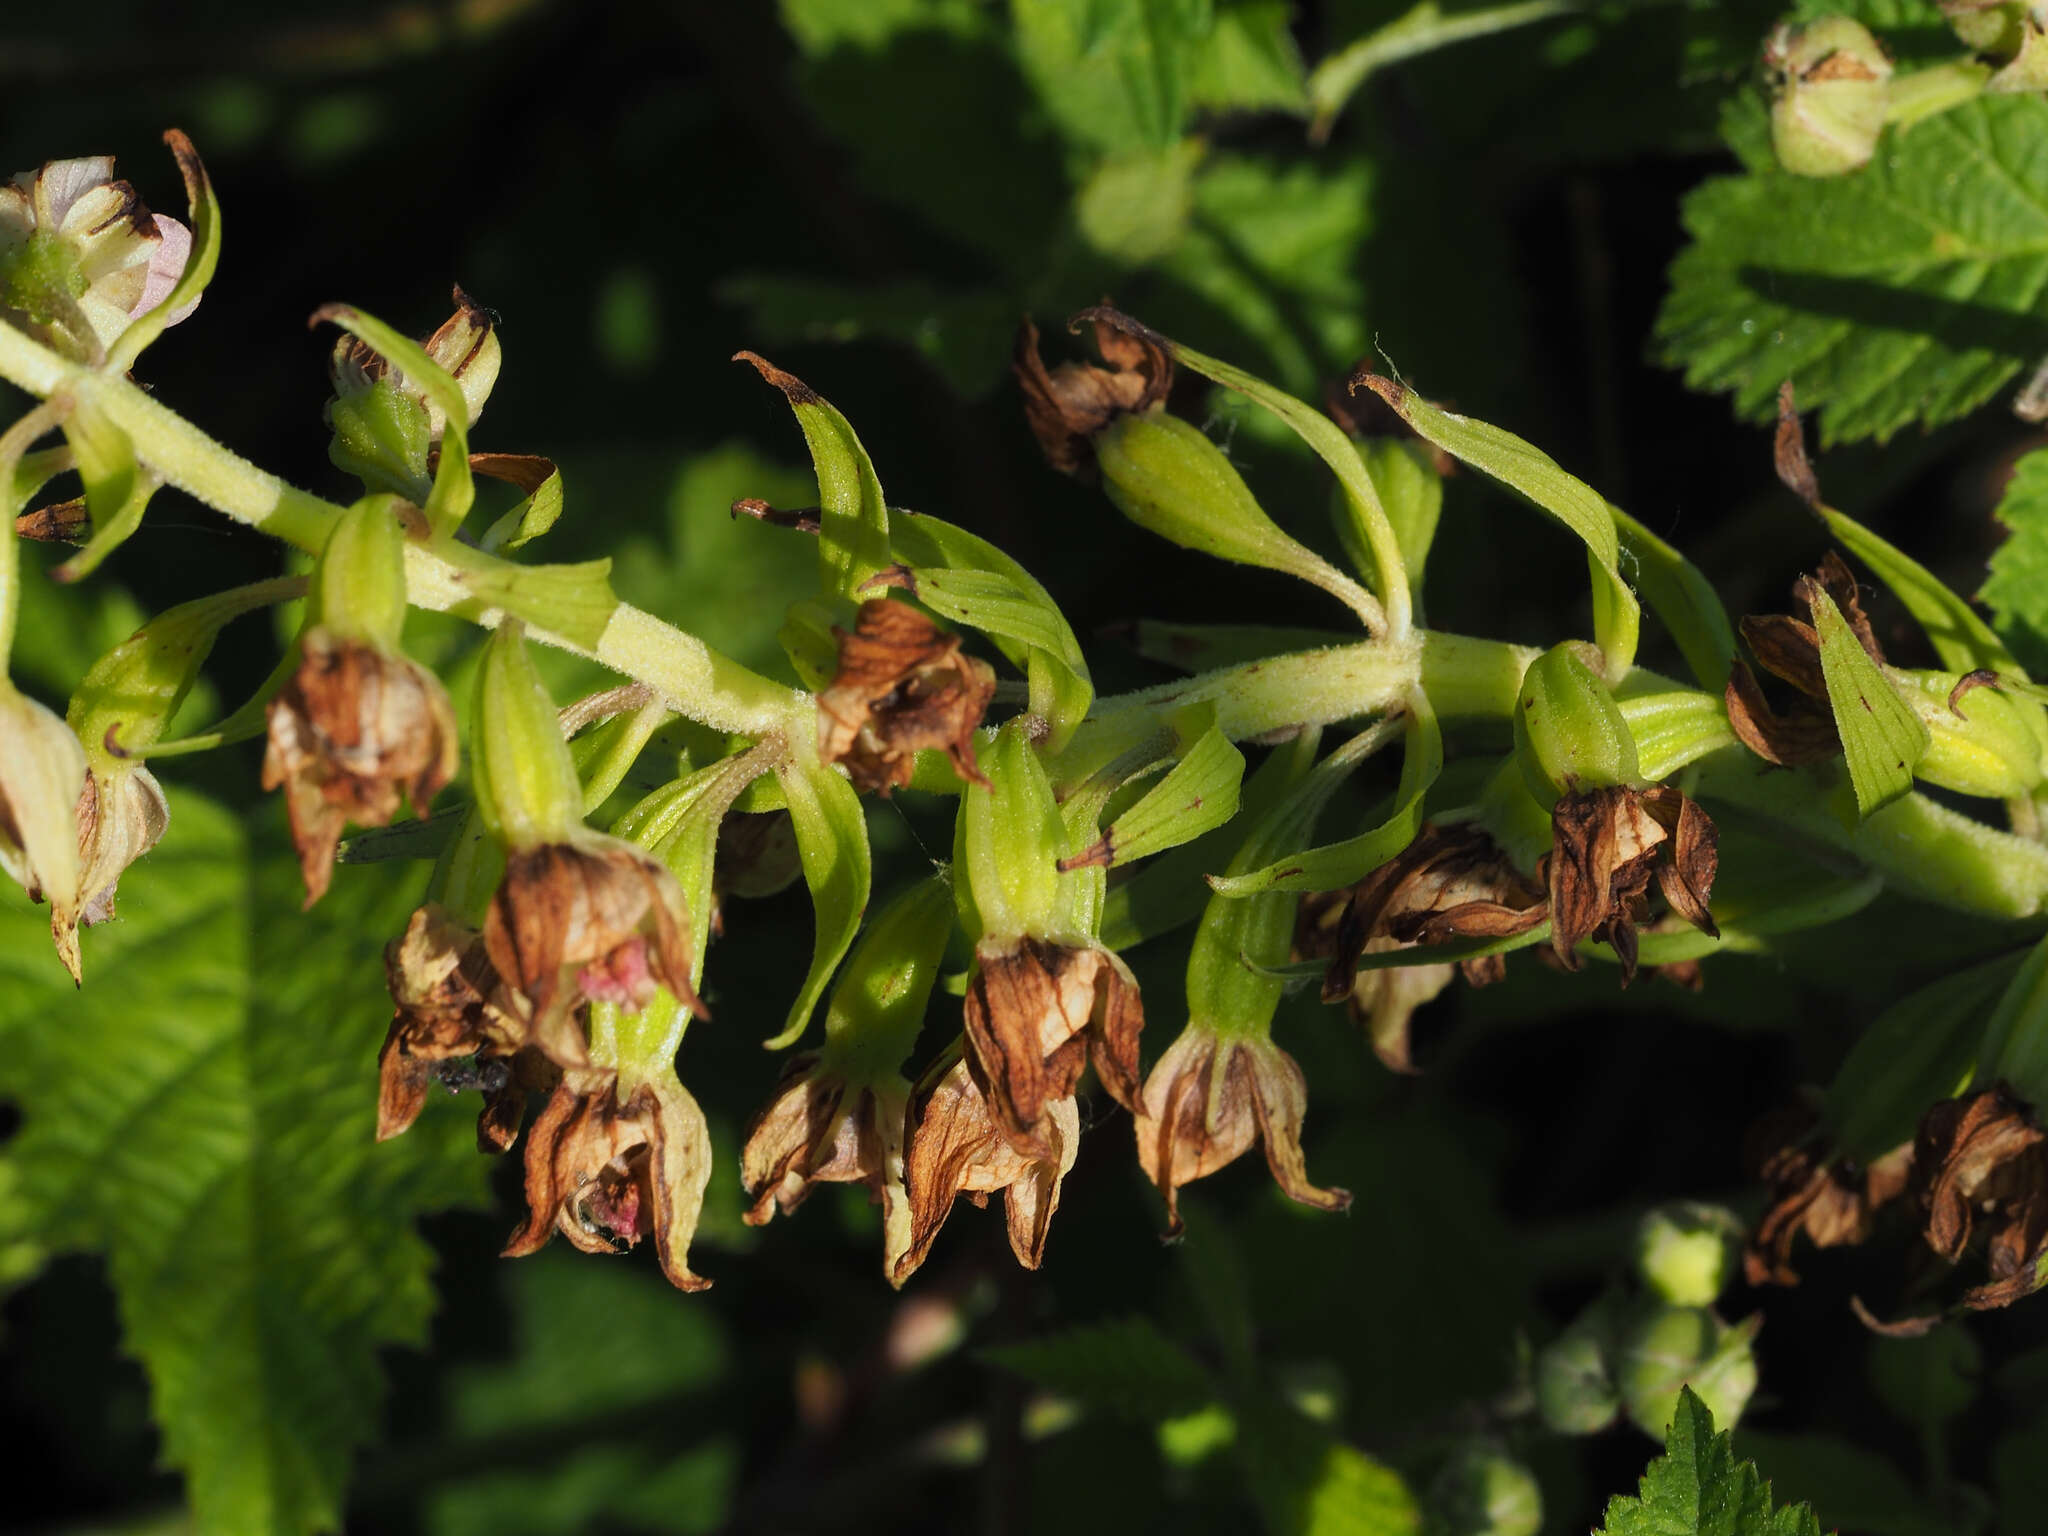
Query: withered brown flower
1068,405
1788,647
1980,1167
355,732
820,1128
1610,842
1208,1098
606,1173
953,1148
595,918
1828,1199
903,686
1449,883
1035,1012
452,1007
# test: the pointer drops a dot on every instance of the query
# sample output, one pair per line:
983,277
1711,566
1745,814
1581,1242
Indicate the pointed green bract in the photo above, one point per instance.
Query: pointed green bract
832,843
1698,1488
202,215
1526,469
1679,593
207,1124
1199,793
1882,737
526,783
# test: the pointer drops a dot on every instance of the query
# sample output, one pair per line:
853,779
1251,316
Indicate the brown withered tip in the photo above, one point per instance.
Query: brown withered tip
449,1005
802,519
1393,391
62,522
794,389
1066,406
902,686
527,471
1788,452
1983,677
819,1128
331,312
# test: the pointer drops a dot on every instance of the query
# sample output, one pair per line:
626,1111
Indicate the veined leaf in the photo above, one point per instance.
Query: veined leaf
1698,1488
1882,737
832,843
1906,292
208,1122
2017,589
1112,73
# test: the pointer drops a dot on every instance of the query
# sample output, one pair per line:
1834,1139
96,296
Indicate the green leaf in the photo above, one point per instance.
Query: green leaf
1906,292
1249,62
832,842
1199,793
2017,589
206,1117
1127,1368
1679,593
853,539
2015,1045
1532,473
1882,737
1698,1488
535,514
1113,74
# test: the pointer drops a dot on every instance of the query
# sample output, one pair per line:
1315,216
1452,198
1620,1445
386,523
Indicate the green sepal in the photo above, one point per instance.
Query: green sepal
1985,745
533,516
1012,839
1336,865
573,601
1229,987
1525,468
2015,1044
454,488
359,580
1330,444
1679,593
1920,1050
526,784
1882,737
202,214
1200,792
1412,494
129,695
382,436
1167,477
853,533
1569,732
1025,623
832,842
878,1006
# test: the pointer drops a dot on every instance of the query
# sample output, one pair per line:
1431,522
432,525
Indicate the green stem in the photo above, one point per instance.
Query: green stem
13,444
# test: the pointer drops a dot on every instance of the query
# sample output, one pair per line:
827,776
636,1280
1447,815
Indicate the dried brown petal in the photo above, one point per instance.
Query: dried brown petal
606,1174
595,918
1609,842
355,733
1034,1012
61,522
449,1005
903,686
1972,1161
819,1128
1803,735
1795,471
1068,405
953,1148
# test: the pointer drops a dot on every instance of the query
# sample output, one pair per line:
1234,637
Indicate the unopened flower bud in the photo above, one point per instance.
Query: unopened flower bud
1685,1251
1569,734
1978,741
384,423
1674,1347
1482,1491
1575,1394
81,257
1829,80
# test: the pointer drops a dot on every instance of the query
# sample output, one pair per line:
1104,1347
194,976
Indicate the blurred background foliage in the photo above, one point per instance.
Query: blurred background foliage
874,192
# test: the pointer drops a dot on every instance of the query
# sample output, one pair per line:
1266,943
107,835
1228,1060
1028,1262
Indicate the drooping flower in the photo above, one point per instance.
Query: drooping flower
954,1148
1209,1097
81,257
357,731
1980,1170
903,686
42,771
606,1170
1828,1200
1610,843
822,1128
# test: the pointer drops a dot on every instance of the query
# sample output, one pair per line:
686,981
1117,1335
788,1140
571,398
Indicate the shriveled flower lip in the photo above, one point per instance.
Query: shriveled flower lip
1208,1098
109,260
355,733
1035,1012
1068,405
953,1148
903,686
1610,843
606,1173
821,1128
591,918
